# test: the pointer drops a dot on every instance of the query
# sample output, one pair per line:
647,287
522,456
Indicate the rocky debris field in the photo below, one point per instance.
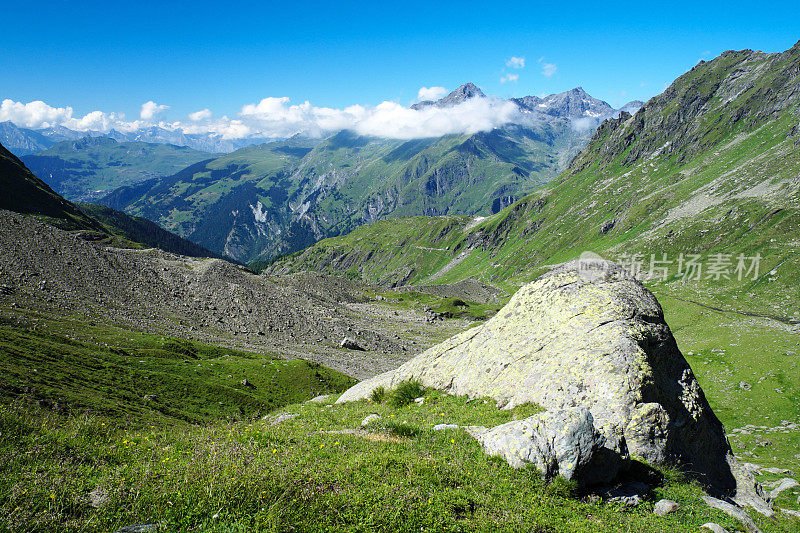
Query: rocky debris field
58,273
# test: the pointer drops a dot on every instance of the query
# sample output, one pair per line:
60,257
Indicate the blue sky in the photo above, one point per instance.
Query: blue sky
191,56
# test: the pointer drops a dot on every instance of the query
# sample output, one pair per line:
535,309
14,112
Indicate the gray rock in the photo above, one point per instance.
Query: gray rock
370,418
664,507
733,511
588,334
137,528
350,344
745,385
322,398
442,427
781,485
558,443
98,498
419,401
274,420
775,470
714,528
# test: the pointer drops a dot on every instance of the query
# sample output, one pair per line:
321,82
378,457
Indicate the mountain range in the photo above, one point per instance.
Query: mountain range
141,386
268,200
23,141
708,167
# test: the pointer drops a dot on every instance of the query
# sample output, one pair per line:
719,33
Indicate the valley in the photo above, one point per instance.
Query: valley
561,323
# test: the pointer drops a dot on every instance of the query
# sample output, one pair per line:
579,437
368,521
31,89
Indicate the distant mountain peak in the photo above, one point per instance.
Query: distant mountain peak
461,94
468,90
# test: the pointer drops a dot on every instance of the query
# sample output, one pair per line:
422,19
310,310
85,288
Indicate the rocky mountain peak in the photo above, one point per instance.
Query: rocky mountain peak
461,94
575,103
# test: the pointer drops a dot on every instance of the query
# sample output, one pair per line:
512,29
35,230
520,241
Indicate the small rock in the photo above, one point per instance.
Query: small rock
98,498
776,471
137,528
442,427
745,385
752,467
274,420
733,511
322,398
664,507
561,442
246,383
370,418
782,485
715,528
349,344
420,400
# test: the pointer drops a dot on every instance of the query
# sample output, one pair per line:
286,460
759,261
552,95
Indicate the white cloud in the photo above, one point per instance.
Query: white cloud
36,114
584,124
548,69
151,109
277,118
197,116
516,62
430,93
509,77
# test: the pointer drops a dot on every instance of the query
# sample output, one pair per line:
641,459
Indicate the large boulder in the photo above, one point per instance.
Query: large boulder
587,334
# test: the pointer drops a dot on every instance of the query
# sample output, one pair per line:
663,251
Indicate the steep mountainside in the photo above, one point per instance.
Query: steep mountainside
709,167
265,201
25,193
93,166
144,232
222,204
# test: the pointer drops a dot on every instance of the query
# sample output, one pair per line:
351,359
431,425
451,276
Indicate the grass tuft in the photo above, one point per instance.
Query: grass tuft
406,392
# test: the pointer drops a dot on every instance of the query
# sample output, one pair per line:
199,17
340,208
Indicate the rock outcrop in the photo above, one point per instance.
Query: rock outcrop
563,443
587,334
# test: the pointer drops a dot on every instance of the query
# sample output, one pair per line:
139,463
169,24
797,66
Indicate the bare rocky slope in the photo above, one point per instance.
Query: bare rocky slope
57,273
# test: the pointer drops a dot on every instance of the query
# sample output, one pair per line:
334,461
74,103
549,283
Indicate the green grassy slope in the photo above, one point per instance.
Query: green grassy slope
74,366
91,167
399,475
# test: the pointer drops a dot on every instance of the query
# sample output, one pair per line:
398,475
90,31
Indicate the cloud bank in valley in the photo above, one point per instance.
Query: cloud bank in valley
278,117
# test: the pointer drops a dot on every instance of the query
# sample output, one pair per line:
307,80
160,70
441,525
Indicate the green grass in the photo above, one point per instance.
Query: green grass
405,393
306,475
725,348
450,307
139,379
